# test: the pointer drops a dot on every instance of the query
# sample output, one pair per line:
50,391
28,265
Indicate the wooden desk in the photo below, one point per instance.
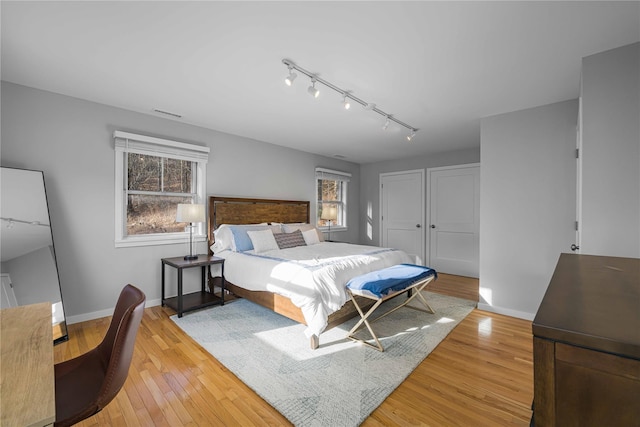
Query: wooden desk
27,383
586,344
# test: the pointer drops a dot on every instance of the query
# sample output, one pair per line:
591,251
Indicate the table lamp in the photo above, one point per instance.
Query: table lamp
190,213
329,213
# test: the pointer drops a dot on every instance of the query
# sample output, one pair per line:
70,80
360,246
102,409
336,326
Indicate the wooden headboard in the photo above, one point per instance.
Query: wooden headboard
233,210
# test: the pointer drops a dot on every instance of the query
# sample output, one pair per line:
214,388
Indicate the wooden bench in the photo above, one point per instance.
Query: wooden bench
382,285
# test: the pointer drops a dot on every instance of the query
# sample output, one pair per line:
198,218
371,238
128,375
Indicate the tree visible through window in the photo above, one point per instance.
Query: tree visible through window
155,187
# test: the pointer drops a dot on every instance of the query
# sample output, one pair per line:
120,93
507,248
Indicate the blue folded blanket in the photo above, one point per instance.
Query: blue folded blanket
390,279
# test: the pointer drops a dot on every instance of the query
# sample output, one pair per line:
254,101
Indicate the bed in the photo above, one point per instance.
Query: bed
304,282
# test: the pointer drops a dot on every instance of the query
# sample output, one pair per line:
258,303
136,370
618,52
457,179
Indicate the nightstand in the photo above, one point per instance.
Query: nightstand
195,300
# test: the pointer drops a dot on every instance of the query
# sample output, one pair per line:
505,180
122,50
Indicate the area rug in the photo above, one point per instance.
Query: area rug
341,382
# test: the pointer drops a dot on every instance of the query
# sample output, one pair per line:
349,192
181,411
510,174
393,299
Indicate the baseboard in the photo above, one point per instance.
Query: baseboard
506,311
152,303
102,313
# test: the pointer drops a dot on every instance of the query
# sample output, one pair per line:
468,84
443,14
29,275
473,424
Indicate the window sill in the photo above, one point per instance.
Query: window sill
336,229
173,239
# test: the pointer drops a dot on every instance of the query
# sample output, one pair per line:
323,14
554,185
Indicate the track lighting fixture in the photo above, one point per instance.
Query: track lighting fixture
346,97
291,77
312,89
11,222
345,102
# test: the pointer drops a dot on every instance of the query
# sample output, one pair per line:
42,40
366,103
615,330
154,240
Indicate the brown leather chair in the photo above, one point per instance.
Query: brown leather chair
87,383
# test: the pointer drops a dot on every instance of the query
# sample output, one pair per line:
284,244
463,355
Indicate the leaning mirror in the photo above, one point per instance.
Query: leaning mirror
28,266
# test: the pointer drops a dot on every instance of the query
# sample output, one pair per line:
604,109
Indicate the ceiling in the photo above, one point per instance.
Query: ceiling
437,66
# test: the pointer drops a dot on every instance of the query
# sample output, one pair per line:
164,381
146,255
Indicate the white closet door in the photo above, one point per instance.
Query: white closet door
402,209
454,216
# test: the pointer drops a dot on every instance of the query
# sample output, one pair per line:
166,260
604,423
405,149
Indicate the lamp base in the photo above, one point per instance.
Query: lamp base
190,257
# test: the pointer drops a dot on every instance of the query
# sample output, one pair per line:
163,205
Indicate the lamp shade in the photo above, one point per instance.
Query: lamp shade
329,213
190,213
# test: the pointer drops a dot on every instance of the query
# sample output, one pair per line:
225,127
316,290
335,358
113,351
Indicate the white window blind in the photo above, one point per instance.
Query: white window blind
140,144
322,173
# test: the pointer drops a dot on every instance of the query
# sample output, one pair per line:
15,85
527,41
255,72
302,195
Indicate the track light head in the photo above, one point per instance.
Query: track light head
291,77
386,123
312,89
345,101
412,134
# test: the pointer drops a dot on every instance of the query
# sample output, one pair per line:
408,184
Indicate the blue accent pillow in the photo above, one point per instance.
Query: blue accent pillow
394,278
241,238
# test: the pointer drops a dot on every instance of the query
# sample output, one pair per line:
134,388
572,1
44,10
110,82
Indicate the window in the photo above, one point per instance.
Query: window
153,175
331,188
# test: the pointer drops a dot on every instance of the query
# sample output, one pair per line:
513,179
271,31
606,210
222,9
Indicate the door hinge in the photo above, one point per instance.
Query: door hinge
577,226
577,153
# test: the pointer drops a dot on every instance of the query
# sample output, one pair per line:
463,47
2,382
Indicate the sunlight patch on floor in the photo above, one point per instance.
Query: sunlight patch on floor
332,341
485,326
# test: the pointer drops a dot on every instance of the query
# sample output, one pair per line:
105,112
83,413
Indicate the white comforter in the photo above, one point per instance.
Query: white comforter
313,277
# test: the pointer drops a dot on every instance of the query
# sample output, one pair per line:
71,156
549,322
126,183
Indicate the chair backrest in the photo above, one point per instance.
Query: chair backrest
116,349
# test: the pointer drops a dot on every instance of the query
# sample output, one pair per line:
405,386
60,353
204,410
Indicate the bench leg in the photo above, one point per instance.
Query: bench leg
417,293
363,319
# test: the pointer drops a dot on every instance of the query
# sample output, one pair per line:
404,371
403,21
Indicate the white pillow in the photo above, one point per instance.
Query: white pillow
262,240
311,237
223,239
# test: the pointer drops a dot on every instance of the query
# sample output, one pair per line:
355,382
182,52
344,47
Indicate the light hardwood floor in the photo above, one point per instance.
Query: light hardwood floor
480,375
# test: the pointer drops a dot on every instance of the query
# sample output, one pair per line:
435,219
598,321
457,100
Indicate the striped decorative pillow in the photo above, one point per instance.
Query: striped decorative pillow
289,240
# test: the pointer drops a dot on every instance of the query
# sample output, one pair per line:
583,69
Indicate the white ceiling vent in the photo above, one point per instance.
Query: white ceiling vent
177,116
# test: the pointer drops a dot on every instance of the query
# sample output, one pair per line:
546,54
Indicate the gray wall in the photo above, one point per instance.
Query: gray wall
611,152
518,195
71,140
370,183
527,204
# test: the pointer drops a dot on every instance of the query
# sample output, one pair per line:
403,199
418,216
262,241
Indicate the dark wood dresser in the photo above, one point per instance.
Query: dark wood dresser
586,344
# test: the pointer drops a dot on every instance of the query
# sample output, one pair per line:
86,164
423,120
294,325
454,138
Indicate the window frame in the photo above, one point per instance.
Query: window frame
344,178
125,142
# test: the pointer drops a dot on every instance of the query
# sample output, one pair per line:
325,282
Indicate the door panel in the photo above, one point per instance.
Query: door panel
454,214
402,208
455,197
576,246
401,238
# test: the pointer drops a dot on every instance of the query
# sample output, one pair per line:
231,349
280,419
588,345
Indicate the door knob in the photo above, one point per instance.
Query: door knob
433,226
418,226
574,247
